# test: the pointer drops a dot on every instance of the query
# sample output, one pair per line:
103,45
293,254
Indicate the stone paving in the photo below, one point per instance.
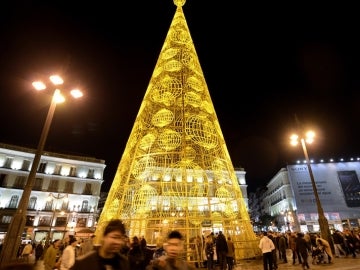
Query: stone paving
339,263
256,264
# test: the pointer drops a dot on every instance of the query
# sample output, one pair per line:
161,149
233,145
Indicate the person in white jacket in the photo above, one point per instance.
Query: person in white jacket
68,255
267,246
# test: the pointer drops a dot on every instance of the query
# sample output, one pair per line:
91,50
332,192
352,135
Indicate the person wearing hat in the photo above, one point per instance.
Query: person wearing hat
107,256
68,255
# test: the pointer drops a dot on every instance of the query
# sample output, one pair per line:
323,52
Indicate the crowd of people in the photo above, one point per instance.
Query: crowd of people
302,246
118,251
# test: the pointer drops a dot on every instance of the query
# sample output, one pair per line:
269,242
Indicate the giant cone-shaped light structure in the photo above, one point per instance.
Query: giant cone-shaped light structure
176,172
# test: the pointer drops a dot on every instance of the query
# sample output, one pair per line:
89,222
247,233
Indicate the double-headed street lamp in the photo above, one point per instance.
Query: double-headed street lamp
64,206
323,222
15,230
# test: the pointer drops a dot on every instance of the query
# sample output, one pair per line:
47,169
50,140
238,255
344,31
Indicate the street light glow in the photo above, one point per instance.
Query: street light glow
16,227
58,97
56,79
294,139
76,93
310,135
323,223
38,85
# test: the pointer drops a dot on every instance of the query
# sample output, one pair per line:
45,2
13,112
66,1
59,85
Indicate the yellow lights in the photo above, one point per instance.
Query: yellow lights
309,138
17,224
39,85
56,79
323,223
177,151
294,139
58,97
76,93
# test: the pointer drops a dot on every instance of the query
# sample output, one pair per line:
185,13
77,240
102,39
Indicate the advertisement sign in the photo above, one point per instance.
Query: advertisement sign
337,185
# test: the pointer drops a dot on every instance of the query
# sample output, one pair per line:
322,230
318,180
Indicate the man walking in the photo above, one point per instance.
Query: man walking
267,246
108,255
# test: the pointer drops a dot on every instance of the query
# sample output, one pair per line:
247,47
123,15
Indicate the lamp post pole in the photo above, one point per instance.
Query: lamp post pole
287,213
16,228
49,238
57,197
296,221
323,222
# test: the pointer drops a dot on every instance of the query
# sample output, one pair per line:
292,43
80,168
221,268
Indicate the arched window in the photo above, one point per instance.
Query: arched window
84,206
65,205
32,203
48,205
14,201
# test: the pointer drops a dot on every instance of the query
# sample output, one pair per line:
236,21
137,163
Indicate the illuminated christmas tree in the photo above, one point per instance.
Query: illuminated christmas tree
176,172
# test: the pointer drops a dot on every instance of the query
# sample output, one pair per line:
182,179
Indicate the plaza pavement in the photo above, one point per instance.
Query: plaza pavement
339,263
256,264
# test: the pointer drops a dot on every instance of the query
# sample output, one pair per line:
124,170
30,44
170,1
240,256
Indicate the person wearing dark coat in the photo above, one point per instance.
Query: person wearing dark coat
136,255
107,256
39,249
302,249
282,248
221,250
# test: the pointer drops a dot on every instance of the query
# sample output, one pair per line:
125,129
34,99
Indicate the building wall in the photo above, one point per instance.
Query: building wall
278,201
240,175
290,196
338,188
65,195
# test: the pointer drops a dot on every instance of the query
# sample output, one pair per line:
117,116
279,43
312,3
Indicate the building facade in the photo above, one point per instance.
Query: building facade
290,196
65,196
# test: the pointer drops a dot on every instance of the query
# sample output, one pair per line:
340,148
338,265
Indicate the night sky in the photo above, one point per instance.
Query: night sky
263,64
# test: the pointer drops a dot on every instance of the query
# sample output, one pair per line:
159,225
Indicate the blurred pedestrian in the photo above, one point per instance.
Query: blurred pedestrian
230,255
86,246
174,247
107,256
221,250
159,250
136,255
69,254
282,247
26,252
209,252
39,249
302,248
52,256
324,245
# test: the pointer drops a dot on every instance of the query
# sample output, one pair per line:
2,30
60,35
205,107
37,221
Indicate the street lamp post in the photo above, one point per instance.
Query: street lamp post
286,213
16,228
323,222
56,197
